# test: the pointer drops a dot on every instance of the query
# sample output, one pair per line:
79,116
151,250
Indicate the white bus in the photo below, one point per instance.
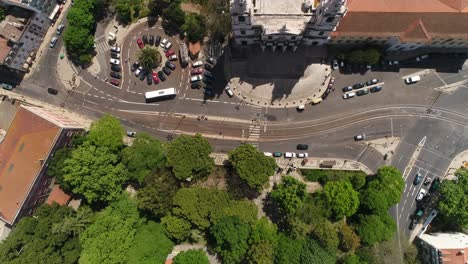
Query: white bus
168,93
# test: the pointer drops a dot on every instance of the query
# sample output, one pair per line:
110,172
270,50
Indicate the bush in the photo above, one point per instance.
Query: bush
323,176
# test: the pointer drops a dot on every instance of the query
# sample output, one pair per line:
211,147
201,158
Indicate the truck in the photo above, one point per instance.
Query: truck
183,55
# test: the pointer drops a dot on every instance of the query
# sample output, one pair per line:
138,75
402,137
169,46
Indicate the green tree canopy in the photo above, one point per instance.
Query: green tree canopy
188,157
149,57
195,27
143,157
313,253
150,246
375,228
289,194
124,11
326,234
110,237
78,41
453,202
2,13
252,165
95,173
349,241
81,18
371,56
174,14
263,241
191,256
107,132
289,250
342,199
32,240
177,228
230,236
352,259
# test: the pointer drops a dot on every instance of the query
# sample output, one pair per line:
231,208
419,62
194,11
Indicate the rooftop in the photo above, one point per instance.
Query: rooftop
58,196
12,28
405,6
275,7
453,246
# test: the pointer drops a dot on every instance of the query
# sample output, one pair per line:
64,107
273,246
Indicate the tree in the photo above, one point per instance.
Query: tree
191,256
358,180
349,241
2,13
155,199
252,165
260,253
263,241
107,132
150,246
371,56
289,195
55,168
124,11
143,157
454,199
230,236
73,225
78,41
149,57
289,250
110,237
195,27
174,14
313,253
33,241
352,259
188,157
356,56
81,18
375,228
95,173
177,228
326,234
342,199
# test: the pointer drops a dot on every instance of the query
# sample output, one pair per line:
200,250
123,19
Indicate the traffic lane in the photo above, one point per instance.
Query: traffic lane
455,101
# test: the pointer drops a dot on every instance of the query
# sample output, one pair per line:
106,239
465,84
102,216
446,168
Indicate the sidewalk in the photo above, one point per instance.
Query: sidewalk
460,161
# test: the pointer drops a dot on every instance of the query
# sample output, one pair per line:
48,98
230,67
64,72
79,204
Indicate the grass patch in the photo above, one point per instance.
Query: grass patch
323,176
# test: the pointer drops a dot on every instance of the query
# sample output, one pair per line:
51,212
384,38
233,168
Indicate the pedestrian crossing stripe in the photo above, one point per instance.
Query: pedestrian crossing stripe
102,47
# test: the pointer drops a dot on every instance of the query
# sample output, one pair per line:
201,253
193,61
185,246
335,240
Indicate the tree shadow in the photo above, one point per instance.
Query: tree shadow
236,187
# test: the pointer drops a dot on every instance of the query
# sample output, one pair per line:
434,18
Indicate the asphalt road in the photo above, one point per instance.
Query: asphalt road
399,110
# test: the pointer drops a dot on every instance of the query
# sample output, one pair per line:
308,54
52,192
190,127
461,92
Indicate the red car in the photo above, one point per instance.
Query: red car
140,43
155,77
114,82
169,53
196,71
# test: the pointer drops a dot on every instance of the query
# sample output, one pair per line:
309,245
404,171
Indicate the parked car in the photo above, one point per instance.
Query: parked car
53,41
347,89
115,55
155,77
196,78
157,41
131,133
427,181
138,71
149,78
161,76
359,85
360,137
196,71
417,179
116,75
208,75
208,92
142,74
196,85
349,95
302,155
277,154
209,67
268,154
435,185
170,65
207,80
163,43
197,64
422,57
114,61
375,89
420,195
151,40
166,70
413,224
60,29
211,60
115,49
300,108
134,66
302,146
114,82
169,53
419,212
362,92
52,91
116,68
412,79
372,82
173,57
229,91
140,43
289,155
6,86
167,46
145,39
335,65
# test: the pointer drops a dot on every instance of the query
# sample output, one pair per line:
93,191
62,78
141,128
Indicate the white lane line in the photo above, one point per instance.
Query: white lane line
440,78
391,125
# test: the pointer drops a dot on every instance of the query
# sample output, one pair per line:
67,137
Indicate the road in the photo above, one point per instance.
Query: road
398,110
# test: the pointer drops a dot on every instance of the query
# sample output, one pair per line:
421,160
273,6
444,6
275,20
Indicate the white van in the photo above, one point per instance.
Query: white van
412,79
289,155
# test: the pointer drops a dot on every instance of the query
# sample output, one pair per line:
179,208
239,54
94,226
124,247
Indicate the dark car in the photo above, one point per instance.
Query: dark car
142,74
208,75
151,40
277,154
435,185
302,146
134,66
52,91
196,85
418,179
211,60
114,82
170,65
161,76
372,82
208,92
324,95
116,75
115,55
347,89
362,92
413,224
375,89
145,39
419,213
116,68
207,80
166,70
149,79
359,85
157,41
209,67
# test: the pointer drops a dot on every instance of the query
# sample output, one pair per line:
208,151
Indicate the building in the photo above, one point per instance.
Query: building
31,140
444,248
397,25
285,24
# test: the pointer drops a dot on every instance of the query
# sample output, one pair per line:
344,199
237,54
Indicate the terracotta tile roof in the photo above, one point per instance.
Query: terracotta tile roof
454,256
420,6
194,48
58,195
4,49
406,26
27,143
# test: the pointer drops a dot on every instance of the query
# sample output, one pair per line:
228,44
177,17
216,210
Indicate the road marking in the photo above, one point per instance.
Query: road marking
440,78
391,125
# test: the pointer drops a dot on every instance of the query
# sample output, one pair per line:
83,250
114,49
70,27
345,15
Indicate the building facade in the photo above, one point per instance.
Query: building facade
444,248
31,141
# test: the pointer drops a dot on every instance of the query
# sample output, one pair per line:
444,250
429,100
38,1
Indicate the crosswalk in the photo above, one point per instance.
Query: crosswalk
254,128
102,47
